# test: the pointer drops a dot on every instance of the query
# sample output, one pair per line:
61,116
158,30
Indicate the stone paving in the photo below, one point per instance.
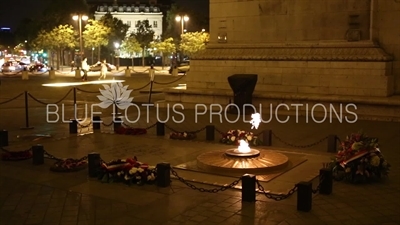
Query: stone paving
34,195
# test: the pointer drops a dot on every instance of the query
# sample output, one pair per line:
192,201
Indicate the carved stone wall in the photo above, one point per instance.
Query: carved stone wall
267,21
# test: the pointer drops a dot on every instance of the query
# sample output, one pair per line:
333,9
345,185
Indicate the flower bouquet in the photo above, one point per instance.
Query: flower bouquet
359,159
182,135
232,137
16,156
69,165
130,131
129,171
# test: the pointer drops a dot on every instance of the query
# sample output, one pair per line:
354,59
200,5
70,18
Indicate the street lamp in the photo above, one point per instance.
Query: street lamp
182,19
116,45
80,18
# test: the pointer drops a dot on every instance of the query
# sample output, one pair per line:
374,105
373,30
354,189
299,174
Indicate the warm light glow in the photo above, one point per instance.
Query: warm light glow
71,84
76,17
116,44
255,120
243,147
85,17
186,18
178,18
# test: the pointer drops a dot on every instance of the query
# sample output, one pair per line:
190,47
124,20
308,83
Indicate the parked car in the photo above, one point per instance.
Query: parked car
38,67
183,67
97,67
11,67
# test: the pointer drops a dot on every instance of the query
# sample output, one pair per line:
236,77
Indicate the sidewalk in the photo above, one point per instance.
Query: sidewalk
34,195
66,71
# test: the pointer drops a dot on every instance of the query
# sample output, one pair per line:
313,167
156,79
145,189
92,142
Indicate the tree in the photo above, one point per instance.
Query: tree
193,42
131,46
144,35
164,48
96,35
170,22
56,40
118,30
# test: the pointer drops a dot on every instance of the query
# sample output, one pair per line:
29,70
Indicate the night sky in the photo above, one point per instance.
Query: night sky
14,11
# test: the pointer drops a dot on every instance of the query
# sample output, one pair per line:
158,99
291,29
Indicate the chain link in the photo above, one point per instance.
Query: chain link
213,190
191,132
276,197
299,146
151,126
12,99
137,89
219,131
166,83
7,151
44,103
107,125
85,126
316,190
50,156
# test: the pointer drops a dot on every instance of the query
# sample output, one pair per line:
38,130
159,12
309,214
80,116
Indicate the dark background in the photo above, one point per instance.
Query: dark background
12,12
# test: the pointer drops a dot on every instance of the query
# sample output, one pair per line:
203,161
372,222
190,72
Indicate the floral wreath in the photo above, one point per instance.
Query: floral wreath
359,159
69,165
232,137
129,171
182,135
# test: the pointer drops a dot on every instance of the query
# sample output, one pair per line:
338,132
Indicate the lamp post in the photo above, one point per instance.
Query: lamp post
80,17
182,19
92,55
116,45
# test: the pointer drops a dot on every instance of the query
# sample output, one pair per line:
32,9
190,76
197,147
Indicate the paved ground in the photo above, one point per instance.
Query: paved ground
34,195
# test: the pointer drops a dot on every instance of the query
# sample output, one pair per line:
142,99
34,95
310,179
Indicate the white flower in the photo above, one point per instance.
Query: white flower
119,173
126,177
138,177
115,94
184,134
123,160
152,167
233,138
140,170
148,177
249,138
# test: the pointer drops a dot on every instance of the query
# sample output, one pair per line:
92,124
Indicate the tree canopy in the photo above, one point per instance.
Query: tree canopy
193,42
118,30
165,48
144,35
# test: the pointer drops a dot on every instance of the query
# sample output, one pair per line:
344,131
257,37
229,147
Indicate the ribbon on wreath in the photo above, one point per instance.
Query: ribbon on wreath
357,156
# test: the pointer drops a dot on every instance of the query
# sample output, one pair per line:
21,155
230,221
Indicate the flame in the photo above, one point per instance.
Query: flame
255,120
243,146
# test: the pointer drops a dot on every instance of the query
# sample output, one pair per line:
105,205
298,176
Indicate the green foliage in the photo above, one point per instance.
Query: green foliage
118,29
144,35
131,46
164,47
193,42
170,30
60,37
95,34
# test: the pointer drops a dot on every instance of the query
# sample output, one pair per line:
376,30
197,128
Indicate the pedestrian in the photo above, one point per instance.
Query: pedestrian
72,65
151,72
85,68
103,69
174,71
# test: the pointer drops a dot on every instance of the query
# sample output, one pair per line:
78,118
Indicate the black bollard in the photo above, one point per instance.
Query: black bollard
73,126
304,196
267,138
163,174
332,143
37,154
210,133
117,123
326,181
93,164
96,122
160,129
3,138
249,188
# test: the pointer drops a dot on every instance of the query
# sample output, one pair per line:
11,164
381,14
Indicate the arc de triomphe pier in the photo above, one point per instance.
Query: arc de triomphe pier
327,52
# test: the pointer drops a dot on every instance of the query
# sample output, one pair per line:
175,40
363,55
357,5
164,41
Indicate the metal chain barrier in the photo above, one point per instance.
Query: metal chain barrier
84,91
192,132
276,197
166,83
12,99
50,156
44,103
118,71
137,89
151,126
107,125
7,151
220,132
299,146
316,190
213,190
